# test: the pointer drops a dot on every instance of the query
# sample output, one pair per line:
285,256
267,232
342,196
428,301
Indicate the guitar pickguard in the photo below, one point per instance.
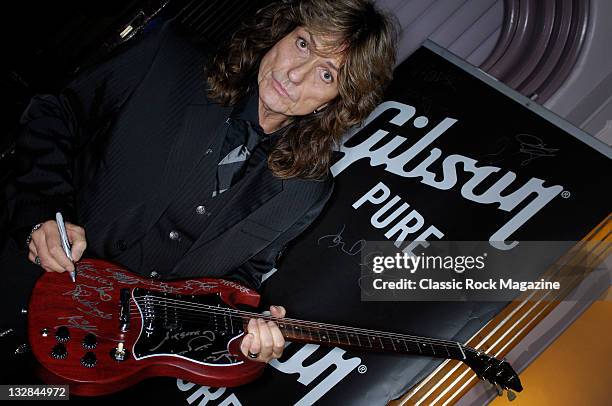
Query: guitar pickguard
184,326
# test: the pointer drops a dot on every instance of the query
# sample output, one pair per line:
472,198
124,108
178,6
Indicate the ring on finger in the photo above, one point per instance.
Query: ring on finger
253,355
37,260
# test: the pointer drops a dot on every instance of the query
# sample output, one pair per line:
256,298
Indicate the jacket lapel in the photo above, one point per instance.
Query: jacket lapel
202,125
251,192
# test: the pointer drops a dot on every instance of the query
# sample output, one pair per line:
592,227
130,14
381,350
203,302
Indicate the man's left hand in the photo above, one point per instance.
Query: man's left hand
264,338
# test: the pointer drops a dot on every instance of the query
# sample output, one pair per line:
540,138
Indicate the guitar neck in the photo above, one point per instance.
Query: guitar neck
348,337
369,340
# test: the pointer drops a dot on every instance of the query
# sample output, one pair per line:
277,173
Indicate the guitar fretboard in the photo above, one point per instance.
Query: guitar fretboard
369,340
361,339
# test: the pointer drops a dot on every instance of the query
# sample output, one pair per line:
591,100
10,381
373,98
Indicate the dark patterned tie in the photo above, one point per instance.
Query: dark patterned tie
235,153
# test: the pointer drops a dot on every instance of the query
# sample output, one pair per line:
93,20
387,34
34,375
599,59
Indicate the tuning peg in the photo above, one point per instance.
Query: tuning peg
511,395
499,389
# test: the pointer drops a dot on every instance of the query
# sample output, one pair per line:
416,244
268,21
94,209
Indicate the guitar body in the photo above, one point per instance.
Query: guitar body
112,329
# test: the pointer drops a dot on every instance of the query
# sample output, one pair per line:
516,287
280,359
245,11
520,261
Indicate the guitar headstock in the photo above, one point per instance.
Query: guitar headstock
490,369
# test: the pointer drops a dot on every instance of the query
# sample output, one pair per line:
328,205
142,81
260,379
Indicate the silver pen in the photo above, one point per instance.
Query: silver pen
65,243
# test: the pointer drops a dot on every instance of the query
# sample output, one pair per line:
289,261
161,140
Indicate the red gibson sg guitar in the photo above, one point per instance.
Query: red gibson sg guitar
113,329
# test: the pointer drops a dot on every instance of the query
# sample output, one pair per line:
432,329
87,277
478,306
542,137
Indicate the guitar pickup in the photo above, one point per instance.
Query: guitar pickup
124,310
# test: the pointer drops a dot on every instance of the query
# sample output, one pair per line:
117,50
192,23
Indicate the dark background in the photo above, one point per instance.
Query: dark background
46,43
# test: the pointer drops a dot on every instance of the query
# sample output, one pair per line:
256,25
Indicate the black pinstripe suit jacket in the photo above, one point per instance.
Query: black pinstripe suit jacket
114,145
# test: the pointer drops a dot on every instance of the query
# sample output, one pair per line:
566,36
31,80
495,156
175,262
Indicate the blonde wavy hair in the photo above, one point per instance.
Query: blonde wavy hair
364,35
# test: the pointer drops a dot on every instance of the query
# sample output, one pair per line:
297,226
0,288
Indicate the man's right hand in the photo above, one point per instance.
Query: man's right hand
46,245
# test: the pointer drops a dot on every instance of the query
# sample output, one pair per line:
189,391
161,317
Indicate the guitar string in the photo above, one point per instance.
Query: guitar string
218,310
374,344
226,311
213,311
439,353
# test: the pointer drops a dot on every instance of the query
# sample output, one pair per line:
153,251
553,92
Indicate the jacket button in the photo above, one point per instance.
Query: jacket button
153,275
121,245
174,235
200,209
208,151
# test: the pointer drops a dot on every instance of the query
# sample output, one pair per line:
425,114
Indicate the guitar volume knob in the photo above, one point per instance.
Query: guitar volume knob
89,360
59,351
89,341
62,334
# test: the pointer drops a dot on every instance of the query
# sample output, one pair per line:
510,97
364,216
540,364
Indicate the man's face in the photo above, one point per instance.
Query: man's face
293,80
